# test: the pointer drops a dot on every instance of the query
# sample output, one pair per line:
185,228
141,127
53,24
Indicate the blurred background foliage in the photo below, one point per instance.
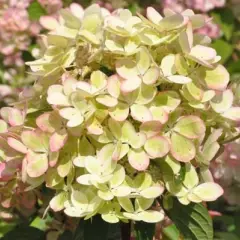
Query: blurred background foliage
19,44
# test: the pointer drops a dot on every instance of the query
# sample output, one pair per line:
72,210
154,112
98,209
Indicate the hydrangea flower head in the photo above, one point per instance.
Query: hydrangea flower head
124,111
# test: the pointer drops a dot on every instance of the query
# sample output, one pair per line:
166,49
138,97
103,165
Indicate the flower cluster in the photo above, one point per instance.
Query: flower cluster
210,29
16,29
126,110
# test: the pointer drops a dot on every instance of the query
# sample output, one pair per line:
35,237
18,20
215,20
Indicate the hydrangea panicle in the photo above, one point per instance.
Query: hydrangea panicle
121,107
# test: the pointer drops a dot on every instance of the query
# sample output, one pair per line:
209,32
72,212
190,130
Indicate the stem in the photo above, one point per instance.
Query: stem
231,139
126,231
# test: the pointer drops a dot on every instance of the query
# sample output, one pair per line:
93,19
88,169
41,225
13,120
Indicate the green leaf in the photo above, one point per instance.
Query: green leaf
23,232
234,67
224,49
40,223
171,232
35,11
225,235
144,231
193,220
6,227
225,19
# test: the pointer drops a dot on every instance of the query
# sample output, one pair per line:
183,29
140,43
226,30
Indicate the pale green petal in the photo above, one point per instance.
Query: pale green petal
152,192
37,164
126,204
215,79
85,179
105,195
169,100
182,149
118,177
64,166
168,65
120,112
157,146
208,191
140,113
222,101
233,114
57,202
142,204
190,127
142,181
79,200
110,218
191,178
151,216
126,68
151,76
143,60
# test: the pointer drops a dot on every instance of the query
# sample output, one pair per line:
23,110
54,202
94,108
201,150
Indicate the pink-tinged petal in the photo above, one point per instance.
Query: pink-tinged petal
5,173
130,84
151,128
126,68
16,117
138,159
191,127
153,15
94,127
37,164
215,79
105,153
137,140
57,202
35,140
233,114
151,76
58,139
113,85
68,83
141,113
159,114
17,145
24,169
179,79
77,10
58,99
157,147
84,89
107,100
182,149
49,22
120,112
214,213
49,122
53,158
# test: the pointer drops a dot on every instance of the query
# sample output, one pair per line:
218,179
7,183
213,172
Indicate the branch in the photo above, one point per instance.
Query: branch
230,140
